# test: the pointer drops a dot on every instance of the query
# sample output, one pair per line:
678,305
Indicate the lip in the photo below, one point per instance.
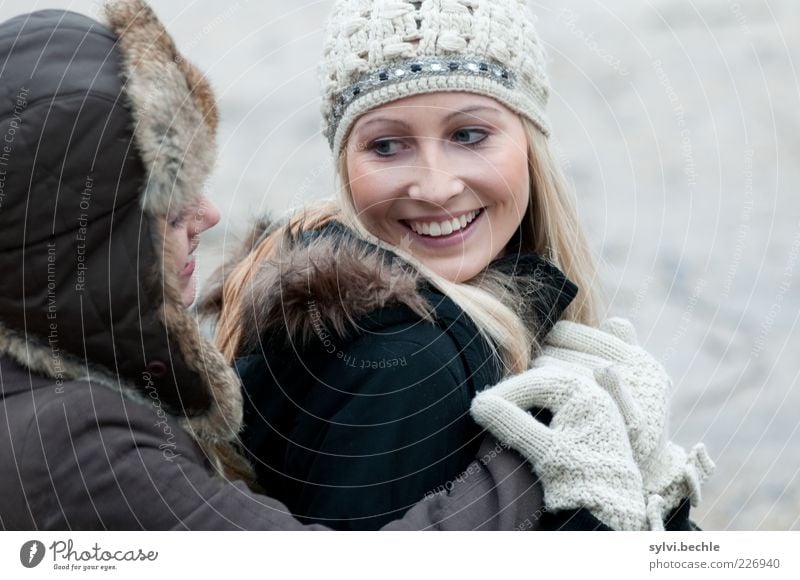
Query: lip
457,238
188,269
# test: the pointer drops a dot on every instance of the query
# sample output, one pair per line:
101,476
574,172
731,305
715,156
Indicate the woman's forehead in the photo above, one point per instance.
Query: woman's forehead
440,105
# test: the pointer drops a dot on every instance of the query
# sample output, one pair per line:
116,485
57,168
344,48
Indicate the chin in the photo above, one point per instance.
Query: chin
189,294
459,272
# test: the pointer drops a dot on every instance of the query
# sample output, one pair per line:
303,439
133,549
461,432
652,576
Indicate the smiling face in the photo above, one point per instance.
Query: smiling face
183,237
442,175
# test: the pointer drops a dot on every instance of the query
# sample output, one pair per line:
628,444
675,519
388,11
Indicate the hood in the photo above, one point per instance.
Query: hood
105,131
330,276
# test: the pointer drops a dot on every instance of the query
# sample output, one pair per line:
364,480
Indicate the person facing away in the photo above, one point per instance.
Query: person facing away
115,412
363,328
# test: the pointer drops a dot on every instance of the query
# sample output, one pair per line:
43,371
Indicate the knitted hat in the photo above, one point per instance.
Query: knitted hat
378,51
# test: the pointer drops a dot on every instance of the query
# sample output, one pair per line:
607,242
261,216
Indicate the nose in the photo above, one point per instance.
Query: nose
207,216
436,179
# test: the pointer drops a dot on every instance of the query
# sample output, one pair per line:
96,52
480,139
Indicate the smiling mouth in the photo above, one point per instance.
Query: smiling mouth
443,228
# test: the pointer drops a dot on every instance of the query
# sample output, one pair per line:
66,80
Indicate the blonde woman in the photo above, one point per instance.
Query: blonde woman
363,328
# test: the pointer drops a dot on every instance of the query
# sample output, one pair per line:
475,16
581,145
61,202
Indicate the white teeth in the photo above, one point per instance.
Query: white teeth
445,228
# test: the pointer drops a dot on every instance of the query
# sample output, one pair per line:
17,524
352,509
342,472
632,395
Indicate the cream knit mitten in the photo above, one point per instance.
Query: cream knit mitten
640,386
583,458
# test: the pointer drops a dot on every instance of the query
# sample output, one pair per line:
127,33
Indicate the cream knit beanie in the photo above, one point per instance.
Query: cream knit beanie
378,51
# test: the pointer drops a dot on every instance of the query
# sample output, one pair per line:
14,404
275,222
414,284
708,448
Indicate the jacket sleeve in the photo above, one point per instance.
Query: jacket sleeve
403,432
92,460
95,460
497,491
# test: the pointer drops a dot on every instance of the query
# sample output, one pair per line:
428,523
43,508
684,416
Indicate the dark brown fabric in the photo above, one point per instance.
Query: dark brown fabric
83,457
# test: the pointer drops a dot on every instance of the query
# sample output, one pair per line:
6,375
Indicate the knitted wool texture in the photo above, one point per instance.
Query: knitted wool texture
365,36
640,386
643,402
583,458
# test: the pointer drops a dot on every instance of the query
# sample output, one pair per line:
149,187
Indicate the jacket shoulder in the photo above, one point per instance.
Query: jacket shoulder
380,426
391,352
451,340
397,355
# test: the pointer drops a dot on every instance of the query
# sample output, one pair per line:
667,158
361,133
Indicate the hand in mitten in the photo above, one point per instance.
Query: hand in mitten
640,386
583,458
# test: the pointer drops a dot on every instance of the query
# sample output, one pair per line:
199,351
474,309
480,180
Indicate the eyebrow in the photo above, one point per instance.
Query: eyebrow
469,111
385,120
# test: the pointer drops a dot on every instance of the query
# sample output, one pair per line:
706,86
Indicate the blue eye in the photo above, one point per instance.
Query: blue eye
469,136
386,147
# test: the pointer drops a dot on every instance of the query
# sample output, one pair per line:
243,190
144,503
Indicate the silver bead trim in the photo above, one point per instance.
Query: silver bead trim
415,69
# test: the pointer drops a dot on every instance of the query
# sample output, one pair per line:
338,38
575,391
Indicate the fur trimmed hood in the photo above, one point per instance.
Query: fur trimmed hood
124,133
330,278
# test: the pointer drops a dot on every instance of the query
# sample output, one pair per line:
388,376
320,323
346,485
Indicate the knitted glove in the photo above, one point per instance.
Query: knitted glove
583,458
640,387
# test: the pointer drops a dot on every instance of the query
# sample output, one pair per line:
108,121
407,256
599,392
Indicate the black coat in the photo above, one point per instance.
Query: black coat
351,427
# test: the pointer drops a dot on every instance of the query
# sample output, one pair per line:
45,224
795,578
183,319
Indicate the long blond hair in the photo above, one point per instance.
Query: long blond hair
549,227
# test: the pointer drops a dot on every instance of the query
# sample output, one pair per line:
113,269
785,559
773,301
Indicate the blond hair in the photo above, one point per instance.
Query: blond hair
554,232
549,227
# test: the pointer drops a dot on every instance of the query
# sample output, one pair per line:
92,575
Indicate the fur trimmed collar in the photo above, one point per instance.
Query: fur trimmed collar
331,277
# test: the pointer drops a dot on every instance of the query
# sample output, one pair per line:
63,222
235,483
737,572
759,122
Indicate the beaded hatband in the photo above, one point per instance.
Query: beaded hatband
429,74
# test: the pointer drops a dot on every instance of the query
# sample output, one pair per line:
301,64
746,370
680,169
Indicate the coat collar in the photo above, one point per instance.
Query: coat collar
545,291
331,277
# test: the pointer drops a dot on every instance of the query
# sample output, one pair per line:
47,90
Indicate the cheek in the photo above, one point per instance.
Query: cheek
372,190
178,241
507,187
362,189
521,185
518,179
508,181
517,164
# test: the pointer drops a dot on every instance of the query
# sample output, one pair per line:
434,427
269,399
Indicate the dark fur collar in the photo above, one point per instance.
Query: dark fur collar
331,279
327,278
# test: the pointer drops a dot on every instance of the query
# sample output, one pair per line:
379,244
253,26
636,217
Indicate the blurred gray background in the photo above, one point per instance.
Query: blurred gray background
677,122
